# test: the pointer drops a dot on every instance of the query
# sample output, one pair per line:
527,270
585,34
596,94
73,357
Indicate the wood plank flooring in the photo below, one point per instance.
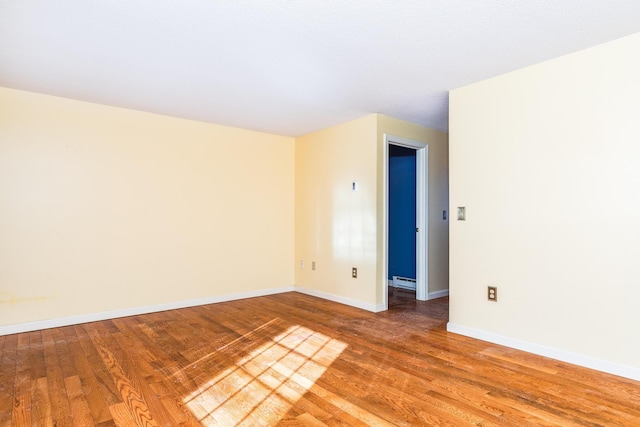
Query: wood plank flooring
295,360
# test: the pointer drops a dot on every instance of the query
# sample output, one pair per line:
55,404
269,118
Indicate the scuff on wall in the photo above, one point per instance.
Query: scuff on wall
12,299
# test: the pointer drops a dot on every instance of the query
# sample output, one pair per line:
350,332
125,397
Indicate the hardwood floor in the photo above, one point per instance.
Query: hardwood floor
294,360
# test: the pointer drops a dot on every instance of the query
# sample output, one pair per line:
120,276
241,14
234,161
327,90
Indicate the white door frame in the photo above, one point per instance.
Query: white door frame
422,215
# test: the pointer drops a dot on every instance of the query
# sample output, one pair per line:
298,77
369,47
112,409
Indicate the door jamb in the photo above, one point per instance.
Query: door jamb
422,215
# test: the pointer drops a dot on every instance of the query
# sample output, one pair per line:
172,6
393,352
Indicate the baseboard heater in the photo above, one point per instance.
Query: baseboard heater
404,283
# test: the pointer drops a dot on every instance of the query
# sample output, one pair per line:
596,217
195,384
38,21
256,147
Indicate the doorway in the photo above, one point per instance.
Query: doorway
403,227
402,218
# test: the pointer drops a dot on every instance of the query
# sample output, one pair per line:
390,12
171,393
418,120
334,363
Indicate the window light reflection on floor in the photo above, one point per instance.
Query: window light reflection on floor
260,388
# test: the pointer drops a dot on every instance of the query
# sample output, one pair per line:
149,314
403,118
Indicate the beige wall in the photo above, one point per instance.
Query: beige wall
339,228
547,161
104,208
438,183
335,226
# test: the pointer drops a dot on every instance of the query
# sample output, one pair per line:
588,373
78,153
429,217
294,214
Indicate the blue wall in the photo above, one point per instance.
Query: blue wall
402,212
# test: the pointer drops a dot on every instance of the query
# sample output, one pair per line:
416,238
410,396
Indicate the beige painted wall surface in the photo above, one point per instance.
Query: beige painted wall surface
335,226
546,160
104,208
438,178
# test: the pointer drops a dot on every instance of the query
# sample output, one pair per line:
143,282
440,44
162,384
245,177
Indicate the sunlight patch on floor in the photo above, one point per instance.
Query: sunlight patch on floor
261,387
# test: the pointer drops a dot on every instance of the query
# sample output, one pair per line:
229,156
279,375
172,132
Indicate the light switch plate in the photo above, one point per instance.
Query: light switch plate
462,213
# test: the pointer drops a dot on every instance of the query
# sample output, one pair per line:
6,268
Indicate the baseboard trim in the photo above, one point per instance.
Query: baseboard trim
553,353
134,311
438,294
342,300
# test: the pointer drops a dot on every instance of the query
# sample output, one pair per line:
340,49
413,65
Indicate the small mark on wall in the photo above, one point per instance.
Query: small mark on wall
11,299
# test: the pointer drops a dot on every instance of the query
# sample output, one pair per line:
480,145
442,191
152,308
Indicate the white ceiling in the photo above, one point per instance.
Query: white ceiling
289,67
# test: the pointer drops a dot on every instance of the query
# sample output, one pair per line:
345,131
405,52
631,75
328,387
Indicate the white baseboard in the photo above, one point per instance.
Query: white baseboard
553,353
134,311
342,300
438,294
562,355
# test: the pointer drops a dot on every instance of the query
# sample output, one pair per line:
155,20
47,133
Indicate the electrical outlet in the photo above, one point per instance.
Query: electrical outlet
301,265
313,265
354,272
492,293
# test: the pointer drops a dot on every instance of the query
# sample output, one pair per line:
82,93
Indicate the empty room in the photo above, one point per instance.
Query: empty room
307,213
